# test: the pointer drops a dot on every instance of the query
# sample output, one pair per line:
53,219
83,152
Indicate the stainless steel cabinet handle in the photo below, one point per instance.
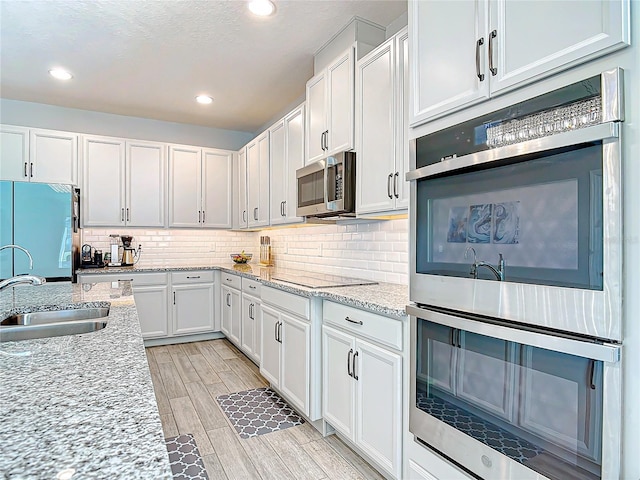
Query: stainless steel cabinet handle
492,69
275,331
479,43
349,362
127,280
359,322
25,170
228,279
199,216
128,217
326,140
255,213
322,141
195,276
389,178
31,169
252,287
353,368
203,217
280,332
122,214
228,299
174,298
395,184
244,216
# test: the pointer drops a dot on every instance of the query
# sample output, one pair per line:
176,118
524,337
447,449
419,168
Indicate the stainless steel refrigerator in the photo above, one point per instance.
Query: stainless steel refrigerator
44,219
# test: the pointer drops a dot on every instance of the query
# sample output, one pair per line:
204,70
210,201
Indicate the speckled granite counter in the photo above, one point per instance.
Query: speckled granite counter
384,298
82,402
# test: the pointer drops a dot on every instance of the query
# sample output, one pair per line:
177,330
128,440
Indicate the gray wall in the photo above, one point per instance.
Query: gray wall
38,115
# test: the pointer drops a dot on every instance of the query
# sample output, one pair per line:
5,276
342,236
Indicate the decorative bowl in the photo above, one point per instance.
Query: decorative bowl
241,257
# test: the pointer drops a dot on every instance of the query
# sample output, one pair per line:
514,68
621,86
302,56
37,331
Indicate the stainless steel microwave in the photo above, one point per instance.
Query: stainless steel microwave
327,188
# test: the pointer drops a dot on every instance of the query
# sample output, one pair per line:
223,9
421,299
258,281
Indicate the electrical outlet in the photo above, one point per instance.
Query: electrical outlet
213,247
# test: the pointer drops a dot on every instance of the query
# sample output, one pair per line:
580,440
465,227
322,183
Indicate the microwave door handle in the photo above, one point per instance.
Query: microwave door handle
326,183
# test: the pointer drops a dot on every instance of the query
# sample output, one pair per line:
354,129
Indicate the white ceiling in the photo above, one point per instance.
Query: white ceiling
151,58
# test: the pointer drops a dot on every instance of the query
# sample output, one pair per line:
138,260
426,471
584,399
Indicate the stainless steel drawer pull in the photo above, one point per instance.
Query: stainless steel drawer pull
353,368
479,43
229,280
395,184
125,279
252,287
359,322
389,179
196,276
31,170
349,362
492,69
203,216
25,170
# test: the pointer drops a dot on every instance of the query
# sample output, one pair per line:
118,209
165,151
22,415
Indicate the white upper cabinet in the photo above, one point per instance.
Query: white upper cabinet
146,184
241,210
258,181
124,182
45,156
330,108
532,38
465,51
14,153
199,187
217,175
103,186
381,128
287,155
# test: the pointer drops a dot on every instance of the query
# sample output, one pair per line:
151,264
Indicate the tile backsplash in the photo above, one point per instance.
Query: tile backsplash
373,250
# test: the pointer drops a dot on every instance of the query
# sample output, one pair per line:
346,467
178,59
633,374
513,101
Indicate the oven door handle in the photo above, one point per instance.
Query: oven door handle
606,352
595,133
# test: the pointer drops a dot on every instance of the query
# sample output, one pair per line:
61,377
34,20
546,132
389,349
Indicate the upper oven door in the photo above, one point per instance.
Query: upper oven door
549,207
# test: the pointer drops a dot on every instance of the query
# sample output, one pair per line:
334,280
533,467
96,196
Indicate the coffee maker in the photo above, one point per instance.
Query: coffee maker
128,252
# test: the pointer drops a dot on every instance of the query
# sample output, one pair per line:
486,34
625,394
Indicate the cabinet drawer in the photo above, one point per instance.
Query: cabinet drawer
106,277
140,279
251,287
231,280
287,302
198,276
384,330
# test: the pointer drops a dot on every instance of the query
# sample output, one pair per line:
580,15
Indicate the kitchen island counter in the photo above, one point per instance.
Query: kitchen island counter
383,298
82,403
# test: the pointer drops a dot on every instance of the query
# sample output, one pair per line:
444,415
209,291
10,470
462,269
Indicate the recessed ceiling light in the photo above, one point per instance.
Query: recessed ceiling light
60,74
204,99
262,8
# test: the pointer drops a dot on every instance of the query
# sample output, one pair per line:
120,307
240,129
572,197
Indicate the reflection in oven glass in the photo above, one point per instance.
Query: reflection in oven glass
538,407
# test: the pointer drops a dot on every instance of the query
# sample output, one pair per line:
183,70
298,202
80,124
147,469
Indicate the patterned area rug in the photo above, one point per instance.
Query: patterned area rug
184,457
258,411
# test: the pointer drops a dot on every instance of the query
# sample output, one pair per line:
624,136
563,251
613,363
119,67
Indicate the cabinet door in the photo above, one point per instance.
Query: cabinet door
247,325
376,131
53,157
242,210
340,92
225,298
486,373
338,387
294,148
257,334
235,327
152,304
533,39
185,186
294,378
193,307
278,175
401,186
443,47
269,346
146,184
316,119
558,401
14,153
258,181
102,195
379,389
217,176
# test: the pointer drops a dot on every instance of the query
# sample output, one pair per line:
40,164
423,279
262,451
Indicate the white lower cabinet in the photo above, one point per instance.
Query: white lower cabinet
169,304
286,349
231,309
250,326
362,383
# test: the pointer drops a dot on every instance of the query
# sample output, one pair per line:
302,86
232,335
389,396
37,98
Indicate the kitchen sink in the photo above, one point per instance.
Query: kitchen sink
53,323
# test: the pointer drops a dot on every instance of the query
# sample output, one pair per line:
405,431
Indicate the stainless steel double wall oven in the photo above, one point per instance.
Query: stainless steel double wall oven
515,277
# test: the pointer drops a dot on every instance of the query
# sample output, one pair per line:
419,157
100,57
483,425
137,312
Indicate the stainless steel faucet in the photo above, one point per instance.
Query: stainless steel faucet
20,279
18,247
499,272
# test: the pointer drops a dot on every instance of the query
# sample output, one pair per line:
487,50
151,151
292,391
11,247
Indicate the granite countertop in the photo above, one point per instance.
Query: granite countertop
384,298
82,402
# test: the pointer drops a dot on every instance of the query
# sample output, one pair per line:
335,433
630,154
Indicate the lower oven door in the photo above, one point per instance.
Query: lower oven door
510,403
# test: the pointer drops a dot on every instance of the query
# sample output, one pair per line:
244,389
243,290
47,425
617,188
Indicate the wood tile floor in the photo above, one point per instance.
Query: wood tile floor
187,378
